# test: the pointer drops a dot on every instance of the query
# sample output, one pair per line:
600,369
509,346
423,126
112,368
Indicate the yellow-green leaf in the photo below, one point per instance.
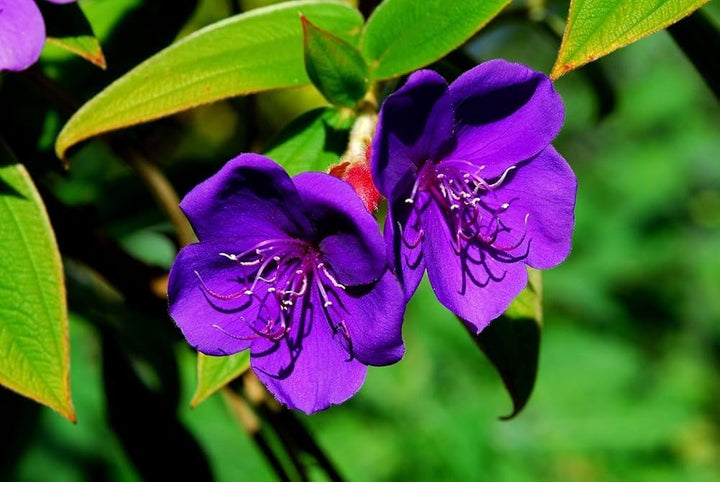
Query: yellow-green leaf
68,28
255,51
597,27
85,46
214,372
34,345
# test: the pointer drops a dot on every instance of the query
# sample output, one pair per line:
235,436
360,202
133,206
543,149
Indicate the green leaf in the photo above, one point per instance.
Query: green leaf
512,343
312,142
214,372
34,345
403,35
255,51
334,66
595,28
68,28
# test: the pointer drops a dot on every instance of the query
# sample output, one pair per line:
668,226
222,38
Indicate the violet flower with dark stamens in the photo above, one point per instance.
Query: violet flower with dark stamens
294,270
475,190
22,33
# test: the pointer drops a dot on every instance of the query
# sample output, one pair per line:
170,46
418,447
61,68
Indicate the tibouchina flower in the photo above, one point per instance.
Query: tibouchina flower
22,33
475,190
294,270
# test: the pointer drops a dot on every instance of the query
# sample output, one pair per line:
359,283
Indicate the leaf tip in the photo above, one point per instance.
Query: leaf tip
69,412
559,70
199,397
99,60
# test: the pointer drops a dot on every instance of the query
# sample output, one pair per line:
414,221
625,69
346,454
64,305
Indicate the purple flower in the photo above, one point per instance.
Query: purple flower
296,271
475,190
22,33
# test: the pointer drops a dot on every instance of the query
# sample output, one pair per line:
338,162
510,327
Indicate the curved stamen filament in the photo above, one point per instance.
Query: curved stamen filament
411,244
288,270
502,178
329,276
216,295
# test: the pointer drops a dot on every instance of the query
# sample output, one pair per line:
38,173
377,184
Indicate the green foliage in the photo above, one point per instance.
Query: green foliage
214,372
403,35
251,52
594,29
34,345
628,374
512,343
312,142
68,28
335,67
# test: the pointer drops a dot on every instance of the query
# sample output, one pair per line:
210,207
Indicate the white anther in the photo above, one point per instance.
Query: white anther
231,257
271,289
409,201
248,292
327,303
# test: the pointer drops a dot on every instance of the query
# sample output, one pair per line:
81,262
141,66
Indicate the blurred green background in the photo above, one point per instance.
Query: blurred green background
629,380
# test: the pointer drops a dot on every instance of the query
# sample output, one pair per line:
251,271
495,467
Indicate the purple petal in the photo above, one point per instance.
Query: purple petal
309,369
250,194
505,113
404,239
351,242
22,34
415,123
473,285
206,298
543,189
372,317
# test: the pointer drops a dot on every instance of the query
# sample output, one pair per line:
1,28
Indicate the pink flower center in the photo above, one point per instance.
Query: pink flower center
277,276
470,205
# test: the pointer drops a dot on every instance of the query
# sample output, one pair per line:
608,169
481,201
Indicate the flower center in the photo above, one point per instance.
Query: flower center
470,205
276,277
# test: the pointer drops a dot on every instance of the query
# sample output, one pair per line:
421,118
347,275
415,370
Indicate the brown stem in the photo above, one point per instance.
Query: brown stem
163,192
288,425
153,178
246,417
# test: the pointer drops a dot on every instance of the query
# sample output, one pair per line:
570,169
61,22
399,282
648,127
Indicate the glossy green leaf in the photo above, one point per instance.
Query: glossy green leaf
403,35
334,66
68,28
255,51
596,28
34,345
312,142
512,343
214,372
